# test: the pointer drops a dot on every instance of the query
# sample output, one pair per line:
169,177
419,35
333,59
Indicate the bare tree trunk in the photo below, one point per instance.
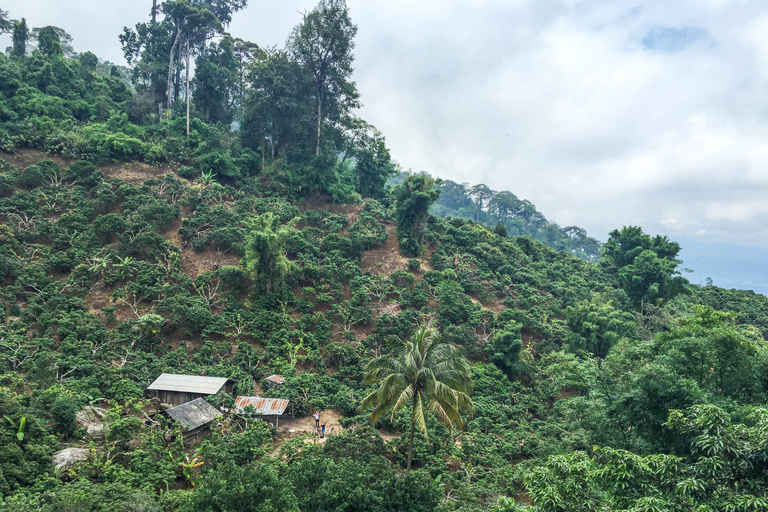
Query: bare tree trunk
272,140
154,11
187,87
319,117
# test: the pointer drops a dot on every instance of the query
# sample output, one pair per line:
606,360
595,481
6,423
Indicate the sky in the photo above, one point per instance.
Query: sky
602,113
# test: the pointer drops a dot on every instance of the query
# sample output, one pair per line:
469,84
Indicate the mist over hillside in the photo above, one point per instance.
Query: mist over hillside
729,266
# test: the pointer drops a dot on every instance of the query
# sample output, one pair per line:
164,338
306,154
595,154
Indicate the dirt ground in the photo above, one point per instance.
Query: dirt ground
292,427
386,258
296,426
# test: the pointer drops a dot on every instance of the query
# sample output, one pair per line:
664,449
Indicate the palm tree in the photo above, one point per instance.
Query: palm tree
430,374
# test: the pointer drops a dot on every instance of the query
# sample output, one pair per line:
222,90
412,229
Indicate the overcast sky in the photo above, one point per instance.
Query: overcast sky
602,113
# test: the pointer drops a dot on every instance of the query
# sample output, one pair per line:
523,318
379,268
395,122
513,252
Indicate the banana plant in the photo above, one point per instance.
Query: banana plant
99,264
125,266
206,178
186,465
22,423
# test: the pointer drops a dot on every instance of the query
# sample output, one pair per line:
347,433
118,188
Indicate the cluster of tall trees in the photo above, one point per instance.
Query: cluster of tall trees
511,216
289,104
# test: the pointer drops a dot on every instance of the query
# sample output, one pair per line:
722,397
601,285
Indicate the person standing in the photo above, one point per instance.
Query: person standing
317,419
322,430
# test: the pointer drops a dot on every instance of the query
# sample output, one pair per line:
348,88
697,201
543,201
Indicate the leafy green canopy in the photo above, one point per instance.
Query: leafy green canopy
647,267
728,471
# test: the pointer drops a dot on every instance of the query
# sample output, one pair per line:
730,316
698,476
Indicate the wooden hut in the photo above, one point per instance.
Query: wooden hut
179,389
195,417
274,381
266,408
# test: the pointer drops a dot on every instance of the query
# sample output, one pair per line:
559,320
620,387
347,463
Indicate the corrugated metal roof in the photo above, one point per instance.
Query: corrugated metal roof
277,379
194,414
266,406
188,383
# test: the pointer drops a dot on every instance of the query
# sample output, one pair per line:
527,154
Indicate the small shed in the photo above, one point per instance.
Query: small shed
179,389
196,417
266,407
275,380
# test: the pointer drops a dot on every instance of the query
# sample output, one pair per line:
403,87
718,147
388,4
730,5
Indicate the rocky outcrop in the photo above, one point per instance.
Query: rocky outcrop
89,416
97,433
69,456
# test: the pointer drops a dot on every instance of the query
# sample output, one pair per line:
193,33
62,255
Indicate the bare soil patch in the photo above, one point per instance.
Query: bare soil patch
195,263
291,427
385,259
172,234
24,158
135,173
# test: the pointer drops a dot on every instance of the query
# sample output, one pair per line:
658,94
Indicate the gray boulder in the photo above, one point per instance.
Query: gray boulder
69,456
90,415
97,433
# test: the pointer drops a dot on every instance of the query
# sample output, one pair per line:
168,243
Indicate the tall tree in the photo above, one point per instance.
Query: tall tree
52,41
414,197
20,35
264,250
504,206
323,44
214,82
647,268
276,106
481,195
428,373
373,165
183,31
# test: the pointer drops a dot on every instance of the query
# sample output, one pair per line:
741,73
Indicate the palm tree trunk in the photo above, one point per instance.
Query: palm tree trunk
410,442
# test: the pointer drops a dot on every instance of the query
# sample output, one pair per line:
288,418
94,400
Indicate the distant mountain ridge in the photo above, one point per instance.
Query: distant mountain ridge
729,266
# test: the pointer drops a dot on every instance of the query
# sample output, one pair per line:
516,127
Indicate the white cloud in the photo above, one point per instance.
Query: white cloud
601,113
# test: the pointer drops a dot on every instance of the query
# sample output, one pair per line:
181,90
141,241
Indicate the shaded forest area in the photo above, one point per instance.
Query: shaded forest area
244,222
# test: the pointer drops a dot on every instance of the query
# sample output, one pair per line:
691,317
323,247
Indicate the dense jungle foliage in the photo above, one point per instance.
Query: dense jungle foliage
262,235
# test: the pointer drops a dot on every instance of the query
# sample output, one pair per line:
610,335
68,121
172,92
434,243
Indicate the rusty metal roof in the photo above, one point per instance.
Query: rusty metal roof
265,406
193,414
277,379
189,383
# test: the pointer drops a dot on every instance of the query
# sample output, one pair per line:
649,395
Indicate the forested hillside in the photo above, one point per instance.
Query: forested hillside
241,223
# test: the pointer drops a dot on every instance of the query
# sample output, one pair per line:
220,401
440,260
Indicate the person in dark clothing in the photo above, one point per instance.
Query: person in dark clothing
322,430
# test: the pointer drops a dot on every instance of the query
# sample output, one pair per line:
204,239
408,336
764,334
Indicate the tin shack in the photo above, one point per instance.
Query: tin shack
267,408
179,389
195,417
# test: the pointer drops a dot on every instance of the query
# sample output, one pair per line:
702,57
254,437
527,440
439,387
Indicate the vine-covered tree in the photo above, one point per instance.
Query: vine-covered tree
414,198
264,250
20,35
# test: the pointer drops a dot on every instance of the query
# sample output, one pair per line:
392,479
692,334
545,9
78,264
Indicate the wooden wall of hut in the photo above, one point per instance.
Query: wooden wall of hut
175,398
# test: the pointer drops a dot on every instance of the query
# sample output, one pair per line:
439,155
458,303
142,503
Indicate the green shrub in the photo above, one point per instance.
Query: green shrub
120,146
109,226
155,154
85,174
64,413
38,174
187,172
